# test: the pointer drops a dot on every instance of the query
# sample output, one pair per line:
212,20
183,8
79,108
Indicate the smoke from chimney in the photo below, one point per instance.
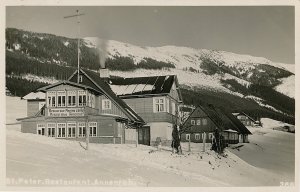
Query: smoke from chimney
101,46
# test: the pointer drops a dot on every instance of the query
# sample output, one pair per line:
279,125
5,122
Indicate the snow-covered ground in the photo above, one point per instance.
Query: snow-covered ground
270,150
30,156
271,123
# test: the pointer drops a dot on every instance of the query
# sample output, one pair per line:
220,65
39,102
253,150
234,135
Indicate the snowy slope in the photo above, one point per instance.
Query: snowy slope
183,57
243,66
287,86
271,123
289,67
270,149
39,157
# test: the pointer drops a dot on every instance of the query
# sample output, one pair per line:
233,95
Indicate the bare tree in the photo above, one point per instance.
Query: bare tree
178,128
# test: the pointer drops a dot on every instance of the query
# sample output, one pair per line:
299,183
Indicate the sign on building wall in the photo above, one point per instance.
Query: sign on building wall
66,112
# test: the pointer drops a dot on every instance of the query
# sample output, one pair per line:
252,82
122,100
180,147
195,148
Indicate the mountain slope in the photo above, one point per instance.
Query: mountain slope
48,58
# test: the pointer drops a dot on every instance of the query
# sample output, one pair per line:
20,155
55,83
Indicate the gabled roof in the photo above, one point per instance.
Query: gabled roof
242,113
222,119
103,87
139,86
238,123
35,96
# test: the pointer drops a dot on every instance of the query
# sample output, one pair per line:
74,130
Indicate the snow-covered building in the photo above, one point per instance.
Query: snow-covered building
35,102
106,106
206,118
7,92
246,119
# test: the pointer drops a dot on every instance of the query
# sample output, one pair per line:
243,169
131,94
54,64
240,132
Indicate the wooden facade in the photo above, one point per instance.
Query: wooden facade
160,123
245,119
204,120
77,111
196,125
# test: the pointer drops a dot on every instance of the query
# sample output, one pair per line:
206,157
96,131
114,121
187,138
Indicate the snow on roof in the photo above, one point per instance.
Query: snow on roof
130,89
231,131
34,95
142,85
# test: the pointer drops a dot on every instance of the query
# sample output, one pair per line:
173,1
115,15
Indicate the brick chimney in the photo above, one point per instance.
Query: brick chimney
104,73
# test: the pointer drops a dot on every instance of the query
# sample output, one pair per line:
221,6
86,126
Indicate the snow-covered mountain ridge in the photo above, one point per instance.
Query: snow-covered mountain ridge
196,69
186,58
183,57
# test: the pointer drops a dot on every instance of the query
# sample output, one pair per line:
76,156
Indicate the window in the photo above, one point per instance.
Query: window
81,98
51,129
188,137
71,98
80,78
193,122
61,130
40,129
51,95
106,104
210,135
71,130
93,129
53,101
61,98
81,129
204,121
197,136
159,104
173,108
198,121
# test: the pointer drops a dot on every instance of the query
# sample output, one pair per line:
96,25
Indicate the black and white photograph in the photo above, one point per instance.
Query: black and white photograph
150,95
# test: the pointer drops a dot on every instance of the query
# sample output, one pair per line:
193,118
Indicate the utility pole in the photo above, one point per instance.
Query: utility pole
78,40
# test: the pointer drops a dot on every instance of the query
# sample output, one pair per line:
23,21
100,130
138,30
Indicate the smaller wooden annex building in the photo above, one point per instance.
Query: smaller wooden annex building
206,118
246,119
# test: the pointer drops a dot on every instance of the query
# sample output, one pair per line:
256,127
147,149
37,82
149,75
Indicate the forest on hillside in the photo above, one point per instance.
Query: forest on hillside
37,54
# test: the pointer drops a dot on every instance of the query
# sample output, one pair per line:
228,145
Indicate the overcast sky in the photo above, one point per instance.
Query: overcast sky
259,31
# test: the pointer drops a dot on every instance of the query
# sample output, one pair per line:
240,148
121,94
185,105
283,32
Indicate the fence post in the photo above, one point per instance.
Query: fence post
204,140
189,149
137,137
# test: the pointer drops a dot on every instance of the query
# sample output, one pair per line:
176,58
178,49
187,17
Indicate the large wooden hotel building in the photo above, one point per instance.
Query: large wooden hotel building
109,110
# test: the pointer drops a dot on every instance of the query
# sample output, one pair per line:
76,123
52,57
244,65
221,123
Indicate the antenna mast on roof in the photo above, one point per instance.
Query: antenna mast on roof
78,40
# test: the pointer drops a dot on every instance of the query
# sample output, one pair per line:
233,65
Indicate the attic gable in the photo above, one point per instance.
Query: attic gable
92,79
